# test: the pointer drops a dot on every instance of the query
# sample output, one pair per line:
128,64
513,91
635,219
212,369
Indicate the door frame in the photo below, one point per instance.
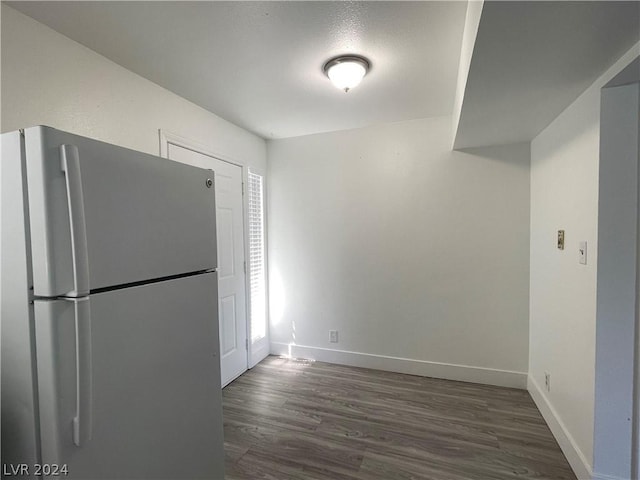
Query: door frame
253,357
617,316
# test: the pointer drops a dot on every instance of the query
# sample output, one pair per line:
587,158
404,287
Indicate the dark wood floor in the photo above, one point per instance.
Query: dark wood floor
294,419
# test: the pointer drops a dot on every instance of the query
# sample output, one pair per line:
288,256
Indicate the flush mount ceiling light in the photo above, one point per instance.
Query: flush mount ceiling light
347,71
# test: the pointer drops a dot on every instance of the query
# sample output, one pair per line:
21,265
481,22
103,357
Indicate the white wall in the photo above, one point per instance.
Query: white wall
564,195
417,255
51,80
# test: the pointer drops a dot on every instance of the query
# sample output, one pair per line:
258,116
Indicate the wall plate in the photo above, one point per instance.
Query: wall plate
582,252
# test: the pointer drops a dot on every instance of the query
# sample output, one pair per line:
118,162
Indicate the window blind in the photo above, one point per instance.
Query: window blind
257,257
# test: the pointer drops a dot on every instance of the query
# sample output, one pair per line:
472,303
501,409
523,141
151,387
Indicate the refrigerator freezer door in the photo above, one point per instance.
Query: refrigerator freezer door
154,386
104,216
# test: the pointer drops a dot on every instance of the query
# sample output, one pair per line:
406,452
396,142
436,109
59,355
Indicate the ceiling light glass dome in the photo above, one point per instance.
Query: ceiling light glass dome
347,71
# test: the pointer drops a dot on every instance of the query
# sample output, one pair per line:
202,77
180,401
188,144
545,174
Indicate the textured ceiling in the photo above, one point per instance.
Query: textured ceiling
259,64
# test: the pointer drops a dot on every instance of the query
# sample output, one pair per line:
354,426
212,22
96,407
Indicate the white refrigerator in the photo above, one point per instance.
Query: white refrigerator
110,351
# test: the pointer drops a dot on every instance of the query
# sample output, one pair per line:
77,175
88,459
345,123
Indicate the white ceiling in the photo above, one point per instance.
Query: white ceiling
532,59
259,64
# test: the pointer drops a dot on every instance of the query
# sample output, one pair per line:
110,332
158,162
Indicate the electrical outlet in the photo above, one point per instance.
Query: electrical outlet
333,336
547,381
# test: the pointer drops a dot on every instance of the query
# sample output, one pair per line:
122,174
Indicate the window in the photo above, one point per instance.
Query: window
257,257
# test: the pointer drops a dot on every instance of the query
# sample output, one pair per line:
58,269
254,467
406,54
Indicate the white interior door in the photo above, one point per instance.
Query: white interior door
231,259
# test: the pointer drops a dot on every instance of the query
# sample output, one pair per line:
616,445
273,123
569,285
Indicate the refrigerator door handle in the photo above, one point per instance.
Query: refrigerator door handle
83,422
70,164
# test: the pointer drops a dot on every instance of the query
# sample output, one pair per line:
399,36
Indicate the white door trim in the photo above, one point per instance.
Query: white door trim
169,138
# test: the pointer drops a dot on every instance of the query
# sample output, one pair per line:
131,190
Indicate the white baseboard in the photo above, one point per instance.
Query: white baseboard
600,476
576,458
423,368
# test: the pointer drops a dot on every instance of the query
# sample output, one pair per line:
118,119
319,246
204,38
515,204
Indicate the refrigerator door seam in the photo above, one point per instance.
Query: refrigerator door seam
148,282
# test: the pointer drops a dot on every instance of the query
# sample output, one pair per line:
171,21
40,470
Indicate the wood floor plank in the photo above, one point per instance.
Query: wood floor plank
312,452
282,417
424,438
384,466
292,419
234,452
